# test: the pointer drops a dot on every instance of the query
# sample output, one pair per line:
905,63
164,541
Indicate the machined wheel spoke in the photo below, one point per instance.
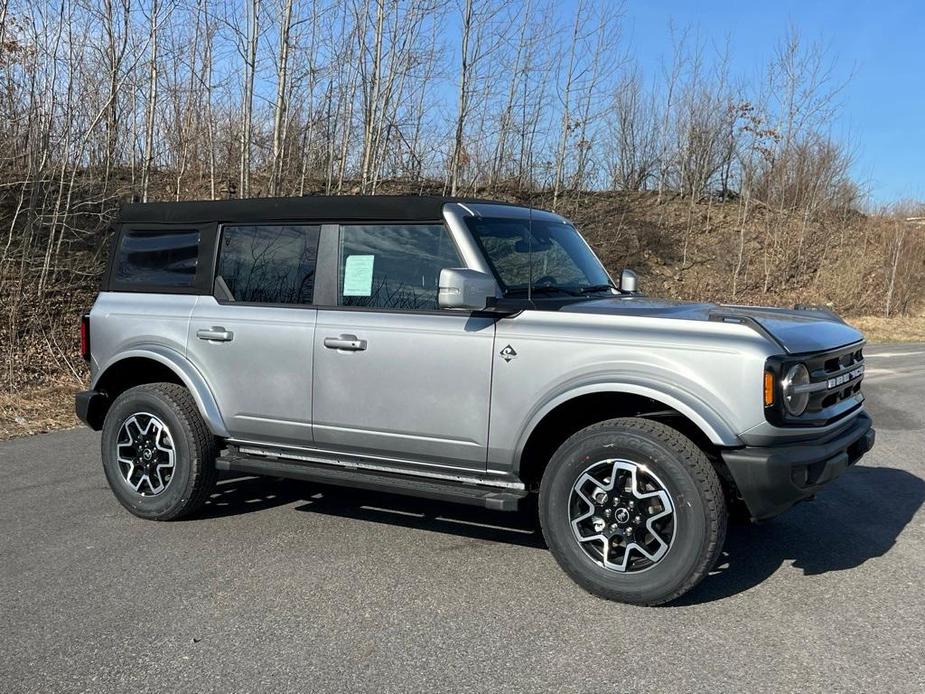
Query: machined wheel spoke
131,423
589,538
155,488
162,447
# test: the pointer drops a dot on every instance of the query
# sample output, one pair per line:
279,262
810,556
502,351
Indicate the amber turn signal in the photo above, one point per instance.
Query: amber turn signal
768,388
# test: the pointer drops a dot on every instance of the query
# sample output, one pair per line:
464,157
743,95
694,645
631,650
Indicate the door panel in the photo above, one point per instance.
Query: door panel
260,368
255,346
403,385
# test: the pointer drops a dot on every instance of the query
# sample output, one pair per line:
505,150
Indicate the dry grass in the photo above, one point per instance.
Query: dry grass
37,410
897,329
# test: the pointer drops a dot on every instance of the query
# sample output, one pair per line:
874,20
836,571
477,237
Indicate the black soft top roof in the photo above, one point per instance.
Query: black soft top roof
412,208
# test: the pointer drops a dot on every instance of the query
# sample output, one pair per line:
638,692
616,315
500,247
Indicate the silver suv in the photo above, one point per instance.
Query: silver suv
466,351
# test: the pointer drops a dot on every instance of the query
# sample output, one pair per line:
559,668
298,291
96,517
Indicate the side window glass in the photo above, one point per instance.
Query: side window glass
158,259
269,264
394,266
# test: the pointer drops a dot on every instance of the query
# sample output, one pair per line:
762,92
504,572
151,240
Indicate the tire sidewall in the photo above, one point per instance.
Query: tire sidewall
179,489
692,520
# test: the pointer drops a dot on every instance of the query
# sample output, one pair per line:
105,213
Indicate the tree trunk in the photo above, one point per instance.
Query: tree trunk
279,111
148,157
456,161
566,106
372,96
250,63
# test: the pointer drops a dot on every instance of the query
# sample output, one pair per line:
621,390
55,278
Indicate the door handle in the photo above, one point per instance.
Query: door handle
350,343
215,334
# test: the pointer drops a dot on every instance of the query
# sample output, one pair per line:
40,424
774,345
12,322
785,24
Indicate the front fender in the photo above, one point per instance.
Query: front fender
712,424
187,373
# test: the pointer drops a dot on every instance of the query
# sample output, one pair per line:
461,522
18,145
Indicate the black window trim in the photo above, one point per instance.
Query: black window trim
202,283
222,301
325,294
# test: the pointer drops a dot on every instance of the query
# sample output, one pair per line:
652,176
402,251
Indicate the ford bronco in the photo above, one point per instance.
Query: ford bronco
464,351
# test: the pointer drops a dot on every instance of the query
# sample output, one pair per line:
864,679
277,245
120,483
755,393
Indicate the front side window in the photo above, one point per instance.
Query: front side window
393,266
269,264
548,255
158,258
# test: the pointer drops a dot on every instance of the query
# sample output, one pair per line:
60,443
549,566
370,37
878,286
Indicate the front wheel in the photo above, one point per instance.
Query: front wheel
158,454
633,511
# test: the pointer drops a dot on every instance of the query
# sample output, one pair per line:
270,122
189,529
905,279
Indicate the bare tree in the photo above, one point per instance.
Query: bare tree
464,77
116,30
148,157
372,85
247,109
634,135
279,110
566,98
602,63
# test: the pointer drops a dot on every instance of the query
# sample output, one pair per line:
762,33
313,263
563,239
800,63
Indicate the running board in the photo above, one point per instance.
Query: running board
409,485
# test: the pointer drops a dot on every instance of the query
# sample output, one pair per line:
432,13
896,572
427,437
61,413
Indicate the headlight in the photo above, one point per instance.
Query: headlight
794,401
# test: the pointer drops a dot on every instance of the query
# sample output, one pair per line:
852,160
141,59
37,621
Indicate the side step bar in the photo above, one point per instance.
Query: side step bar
409,485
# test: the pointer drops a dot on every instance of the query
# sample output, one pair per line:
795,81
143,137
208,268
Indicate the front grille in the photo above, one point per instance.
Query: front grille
841,371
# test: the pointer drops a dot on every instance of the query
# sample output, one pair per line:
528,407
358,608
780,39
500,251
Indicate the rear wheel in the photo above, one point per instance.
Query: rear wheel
158,454
633,511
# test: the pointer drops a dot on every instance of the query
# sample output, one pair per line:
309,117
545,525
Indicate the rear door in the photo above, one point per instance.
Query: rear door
252,339
395,377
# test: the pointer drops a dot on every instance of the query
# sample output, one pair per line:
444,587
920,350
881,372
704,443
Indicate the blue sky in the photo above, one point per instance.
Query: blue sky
880,46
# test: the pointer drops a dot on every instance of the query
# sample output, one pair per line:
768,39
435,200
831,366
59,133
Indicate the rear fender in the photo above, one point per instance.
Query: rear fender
185,371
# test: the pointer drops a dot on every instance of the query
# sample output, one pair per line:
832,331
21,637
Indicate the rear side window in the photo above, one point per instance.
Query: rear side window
158,258
393,266
269,264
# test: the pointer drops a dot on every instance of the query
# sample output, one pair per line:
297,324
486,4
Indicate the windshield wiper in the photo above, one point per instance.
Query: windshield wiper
597,288
541,290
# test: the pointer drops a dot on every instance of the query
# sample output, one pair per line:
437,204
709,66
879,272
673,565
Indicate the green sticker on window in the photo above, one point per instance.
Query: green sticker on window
358,275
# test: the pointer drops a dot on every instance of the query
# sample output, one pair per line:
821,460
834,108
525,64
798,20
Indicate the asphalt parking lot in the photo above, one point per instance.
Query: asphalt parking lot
291,587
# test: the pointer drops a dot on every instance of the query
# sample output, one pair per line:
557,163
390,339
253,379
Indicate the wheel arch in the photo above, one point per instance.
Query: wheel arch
572,411
154,364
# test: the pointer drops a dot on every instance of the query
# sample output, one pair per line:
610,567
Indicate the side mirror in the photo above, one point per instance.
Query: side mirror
465,288
629,281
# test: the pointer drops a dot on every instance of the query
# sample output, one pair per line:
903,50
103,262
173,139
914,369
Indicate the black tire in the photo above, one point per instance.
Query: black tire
193,475
699,524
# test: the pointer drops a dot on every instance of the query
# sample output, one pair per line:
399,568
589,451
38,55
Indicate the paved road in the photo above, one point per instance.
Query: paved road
287,586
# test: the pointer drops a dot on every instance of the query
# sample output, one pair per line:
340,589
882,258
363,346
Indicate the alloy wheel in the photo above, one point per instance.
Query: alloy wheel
622,515
145,454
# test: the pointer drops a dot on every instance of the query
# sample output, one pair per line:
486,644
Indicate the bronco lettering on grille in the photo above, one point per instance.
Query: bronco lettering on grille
844,378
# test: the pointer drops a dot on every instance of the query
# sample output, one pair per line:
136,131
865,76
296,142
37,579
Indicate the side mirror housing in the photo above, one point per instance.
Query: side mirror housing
629,281
463,288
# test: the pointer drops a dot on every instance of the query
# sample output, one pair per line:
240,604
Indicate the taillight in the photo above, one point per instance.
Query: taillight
85,336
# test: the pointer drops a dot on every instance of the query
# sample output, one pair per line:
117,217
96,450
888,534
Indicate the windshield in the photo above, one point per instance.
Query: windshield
549,253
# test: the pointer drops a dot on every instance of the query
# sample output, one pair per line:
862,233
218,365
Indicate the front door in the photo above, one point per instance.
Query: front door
395,378
253,340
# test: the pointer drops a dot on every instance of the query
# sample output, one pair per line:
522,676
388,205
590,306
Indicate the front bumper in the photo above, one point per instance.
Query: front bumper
773,479
90,406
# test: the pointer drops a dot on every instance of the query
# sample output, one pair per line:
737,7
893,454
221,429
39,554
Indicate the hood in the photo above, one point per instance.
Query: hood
797,331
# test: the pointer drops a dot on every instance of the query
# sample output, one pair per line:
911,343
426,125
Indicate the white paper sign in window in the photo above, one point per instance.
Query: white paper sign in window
358,275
